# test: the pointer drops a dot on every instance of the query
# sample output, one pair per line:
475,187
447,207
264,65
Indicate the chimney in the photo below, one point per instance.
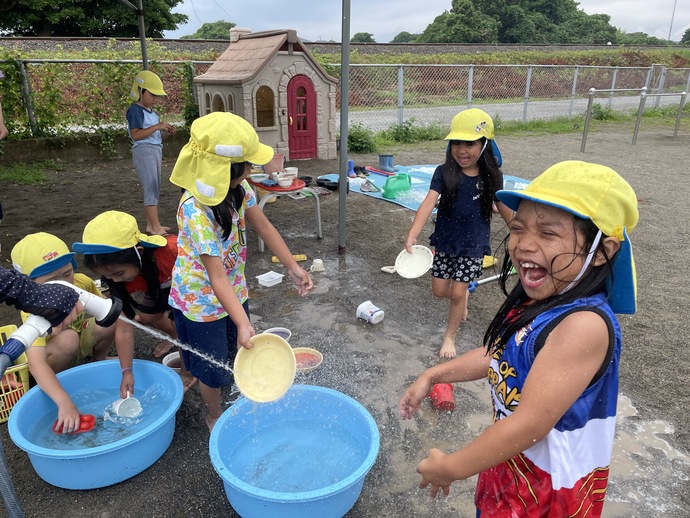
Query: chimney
237,32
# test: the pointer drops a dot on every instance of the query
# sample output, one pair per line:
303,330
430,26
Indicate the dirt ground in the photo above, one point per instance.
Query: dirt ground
374,363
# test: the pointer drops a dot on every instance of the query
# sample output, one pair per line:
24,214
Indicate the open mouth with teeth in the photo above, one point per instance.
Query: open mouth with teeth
532,275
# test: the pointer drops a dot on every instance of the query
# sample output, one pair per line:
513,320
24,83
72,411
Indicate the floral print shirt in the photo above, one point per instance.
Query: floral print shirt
200,234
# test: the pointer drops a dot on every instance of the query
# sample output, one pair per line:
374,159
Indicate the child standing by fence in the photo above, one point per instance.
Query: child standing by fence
550,354
209,289
145,130
466,183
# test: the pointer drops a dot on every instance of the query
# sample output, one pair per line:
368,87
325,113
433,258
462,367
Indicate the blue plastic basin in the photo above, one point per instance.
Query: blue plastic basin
303,456
106,464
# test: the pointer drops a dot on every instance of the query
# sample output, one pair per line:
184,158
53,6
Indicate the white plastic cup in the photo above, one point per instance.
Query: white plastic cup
173,361
369,312
127,407
317,266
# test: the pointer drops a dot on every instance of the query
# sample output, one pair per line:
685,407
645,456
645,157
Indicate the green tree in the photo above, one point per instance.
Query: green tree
404,37
88,18
363,37
219,30
463,24
685,40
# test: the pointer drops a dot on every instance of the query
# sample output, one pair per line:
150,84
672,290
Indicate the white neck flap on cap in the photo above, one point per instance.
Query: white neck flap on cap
205,189
229,151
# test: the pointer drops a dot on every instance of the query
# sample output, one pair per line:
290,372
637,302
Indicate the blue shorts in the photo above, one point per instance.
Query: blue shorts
457,268
217,339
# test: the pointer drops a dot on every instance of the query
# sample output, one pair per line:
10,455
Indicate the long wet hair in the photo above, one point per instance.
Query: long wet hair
592,282
226,209
489,175
148,268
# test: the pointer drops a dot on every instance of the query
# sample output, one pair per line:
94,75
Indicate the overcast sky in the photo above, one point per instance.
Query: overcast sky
322,19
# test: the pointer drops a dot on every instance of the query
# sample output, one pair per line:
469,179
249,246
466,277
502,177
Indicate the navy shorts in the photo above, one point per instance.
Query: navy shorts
217,339
457,268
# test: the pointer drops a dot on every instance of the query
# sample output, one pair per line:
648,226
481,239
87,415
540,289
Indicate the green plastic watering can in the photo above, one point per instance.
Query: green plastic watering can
394,185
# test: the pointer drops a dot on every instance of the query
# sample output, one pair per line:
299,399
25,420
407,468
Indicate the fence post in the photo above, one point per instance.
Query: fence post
529,81
26,95
680,112
660,90
572,93
687,85
588,115
613,85
470,83
640,111
400,95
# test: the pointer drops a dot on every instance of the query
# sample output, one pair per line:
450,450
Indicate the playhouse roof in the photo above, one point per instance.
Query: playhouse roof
246,57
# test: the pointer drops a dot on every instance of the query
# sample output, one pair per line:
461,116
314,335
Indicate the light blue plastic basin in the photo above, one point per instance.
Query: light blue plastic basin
303,456
108,464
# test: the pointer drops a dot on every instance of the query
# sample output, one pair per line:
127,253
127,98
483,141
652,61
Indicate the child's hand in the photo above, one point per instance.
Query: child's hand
244,333
433,474
409,243
413,397
168,128
127,384
302,281
68,418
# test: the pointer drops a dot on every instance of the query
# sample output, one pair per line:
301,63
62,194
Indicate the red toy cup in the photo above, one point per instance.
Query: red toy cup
442,397
86,423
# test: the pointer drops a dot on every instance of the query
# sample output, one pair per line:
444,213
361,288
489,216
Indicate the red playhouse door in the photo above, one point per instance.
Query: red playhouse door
301,118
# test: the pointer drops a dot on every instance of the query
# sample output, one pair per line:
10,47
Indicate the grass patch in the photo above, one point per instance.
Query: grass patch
29,174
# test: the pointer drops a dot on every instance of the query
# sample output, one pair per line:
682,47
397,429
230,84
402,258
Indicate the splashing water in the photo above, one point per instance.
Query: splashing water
181,345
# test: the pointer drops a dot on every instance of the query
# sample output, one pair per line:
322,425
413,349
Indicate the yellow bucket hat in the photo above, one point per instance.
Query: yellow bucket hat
598,193
148,81
114,231
40,254
216,141
470,125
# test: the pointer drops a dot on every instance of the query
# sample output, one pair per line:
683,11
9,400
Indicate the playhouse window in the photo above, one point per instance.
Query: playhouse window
218,104
265,107
208,103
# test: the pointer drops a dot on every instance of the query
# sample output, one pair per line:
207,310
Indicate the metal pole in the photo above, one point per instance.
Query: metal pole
26,94
673,15
613,85
588,115
400,95
344,108
572,93
680,112
142,34
529,82
640,111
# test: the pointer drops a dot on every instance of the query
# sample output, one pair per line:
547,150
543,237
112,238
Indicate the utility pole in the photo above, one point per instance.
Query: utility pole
673,15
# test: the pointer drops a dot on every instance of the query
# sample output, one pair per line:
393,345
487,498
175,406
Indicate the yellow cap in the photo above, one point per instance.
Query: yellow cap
470,125
40,254
114,231
216,141
147,81
598,193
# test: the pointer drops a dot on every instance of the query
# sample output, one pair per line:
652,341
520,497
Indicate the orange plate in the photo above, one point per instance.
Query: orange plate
297,184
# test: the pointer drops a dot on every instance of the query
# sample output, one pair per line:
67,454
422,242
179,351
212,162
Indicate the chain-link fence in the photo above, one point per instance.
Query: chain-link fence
52,97
381,96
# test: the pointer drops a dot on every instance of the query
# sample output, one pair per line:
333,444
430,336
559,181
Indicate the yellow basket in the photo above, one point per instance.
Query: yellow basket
15,382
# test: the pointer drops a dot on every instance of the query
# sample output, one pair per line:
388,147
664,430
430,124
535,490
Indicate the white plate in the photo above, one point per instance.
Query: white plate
415,264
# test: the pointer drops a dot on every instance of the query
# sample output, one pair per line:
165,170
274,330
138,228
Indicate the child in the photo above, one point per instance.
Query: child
147,143
138,269
44,257
467,183
209,289
551,352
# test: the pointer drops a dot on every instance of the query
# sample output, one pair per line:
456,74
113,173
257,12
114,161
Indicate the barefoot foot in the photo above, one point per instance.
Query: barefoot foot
211,421
447,349
161,349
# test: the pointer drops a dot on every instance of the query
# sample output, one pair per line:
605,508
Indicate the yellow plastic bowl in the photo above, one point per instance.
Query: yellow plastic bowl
265,372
